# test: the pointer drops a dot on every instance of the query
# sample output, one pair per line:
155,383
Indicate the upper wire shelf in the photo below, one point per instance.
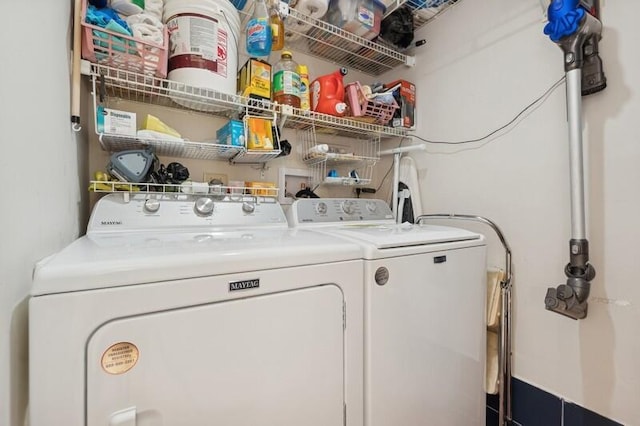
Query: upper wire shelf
321,39
424,11
326,41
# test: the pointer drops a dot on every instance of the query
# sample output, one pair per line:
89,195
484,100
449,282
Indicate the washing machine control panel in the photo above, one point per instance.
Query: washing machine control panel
308,211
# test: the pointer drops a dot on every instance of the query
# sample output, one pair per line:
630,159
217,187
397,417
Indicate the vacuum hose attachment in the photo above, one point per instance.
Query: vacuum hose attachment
570,299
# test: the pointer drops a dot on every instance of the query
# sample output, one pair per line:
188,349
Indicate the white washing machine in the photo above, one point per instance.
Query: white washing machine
424,312
179,310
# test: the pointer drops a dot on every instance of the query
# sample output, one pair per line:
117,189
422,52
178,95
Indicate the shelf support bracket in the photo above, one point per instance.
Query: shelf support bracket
410,61
285,112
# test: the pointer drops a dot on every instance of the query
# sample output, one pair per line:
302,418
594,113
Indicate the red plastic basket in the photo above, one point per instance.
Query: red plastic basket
361,106
121,51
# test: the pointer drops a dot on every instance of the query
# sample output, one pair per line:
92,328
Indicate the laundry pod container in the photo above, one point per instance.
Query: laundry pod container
203,50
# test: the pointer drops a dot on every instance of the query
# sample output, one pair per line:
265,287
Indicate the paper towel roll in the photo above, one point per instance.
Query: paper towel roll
314,8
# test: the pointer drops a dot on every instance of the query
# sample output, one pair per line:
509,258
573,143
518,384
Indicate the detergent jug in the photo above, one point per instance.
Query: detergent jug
327,93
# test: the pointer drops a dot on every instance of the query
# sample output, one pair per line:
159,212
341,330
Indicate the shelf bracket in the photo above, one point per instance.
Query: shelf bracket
283,9
285,112
410,61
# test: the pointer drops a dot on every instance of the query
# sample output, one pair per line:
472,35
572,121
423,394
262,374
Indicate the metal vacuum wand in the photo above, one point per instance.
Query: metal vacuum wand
571,27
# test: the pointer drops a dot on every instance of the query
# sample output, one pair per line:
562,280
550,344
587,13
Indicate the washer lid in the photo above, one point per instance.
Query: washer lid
404,235
118,259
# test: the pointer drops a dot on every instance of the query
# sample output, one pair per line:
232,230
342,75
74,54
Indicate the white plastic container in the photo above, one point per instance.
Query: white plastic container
360,17
203,44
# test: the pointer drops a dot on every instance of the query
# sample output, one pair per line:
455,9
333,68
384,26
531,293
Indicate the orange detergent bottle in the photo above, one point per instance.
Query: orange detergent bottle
327,93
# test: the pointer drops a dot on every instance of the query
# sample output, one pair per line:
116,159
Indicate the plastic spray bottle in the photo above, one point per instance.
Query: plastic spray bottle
305,100
259,31
277,26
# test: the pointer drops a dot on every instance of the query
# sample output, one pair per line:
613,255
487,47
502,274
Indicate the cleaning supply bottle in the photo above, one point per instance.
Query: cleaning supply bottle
258,31
305,100
277,26
286,81
327,93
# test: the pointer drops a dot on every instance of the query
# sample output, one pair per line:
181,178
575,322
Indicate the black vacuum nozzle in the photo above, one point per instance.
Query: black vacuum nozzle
562,300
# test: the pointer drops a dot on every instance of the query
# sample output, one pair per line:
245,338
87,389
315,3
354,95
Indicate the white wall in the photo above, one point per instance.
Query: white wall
484,61
41,209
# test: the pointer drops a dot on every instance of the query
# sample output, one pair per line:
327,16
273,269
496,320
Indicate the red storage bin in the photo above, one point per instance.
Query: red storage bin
360,106
118,50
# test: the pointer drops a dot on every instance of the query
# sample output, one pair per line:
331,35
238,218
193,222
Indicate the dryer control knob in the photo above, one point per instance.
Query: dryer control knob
248,207
204,206
322,208
372,206
151,205
349,206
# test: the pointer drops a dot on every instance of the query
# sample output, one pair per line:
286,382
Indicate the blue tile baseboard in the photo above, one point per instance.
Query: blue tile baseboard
575,415
534,407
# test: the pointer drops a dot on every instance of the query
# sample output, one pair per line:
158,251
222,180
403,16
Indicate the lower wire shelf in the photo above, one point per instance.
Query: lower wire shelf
255,193
188,149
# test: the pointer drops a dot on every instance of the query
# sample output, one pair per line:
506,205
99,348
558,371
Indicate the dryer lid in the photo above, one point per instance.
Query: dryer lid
119,259
404,235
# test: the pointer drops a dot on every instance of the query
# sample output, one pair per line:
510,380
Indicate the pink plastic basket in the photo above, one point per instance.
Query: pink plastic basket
363,107
120,51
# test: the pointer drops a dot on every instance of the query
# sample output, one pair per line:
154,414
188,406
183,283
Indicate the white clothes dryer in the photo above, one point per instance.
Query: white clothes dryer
184,310
424,312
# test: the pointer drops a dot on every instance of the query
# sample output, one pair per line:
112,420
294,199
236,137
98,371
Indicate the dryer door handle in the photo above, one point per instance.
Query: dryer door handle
126,417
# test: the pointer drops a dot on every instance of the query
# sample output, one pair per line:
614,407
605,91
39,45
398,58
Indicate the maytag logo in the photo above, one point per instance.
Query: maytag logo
244,285
111,222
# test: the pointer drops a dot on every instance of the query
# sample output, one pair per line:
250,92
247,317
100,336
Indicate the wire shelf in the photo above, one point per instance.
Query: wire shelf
255,156
326,41
171,148
233,193
299,119
424,11
152,90
332,164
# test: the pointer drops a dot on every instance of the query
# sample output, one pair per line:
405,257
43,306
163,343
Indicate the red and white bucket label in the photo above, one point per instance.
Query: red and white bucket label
197,41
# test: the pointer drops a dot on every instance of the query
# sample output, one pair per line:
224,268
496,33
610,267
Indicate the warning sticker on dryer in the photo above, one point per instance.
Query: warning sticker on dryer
120,358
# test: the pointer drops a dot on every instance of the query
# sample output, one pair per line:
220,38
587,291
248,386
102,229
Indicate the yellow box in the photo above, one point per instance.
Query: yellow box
259,133
267,189
254,79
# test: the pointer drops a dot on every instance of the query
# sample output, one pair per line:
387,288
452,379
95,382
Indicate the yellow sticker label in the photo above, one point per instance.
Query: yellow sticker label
120,358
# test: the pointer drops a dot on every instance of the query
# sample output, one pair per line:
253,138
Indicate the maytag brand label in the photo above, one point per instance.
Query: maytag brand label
244,285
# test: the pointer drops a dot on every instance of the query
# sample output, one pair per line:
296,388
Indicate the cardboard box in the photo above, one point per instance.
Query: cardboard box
267,189
254,79
116,122
259,134
405,96
231,133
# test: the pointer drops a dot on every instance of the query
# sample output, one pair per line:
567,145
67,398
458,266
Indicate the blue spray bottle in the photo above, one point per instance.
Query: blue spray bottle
258,31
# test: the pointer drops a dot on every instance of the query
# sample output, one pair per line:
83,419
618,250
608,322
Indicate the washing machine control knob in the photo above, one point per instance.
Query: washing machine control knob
371,206
348,206
321,208
248,207
151,205
203,206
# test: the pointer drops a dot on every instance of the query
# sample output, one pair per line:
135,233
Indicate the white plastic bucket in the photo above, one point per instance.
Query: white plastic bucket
203,45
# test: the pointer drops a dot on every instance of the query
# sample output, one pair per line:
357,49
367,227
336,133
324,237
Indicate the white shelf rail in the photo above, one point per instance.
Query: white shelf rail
233,193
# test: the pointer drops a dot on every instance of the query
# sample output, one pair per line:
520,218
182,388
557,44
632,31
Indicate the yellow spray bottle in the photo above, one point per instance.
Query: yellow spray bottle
305,102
